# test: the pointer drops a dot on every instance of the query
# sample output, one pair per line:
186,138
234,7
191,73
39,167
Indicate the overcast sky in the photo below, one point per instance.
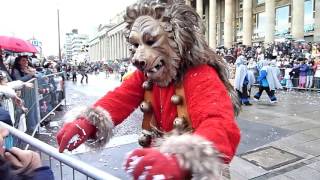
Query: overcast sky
38,18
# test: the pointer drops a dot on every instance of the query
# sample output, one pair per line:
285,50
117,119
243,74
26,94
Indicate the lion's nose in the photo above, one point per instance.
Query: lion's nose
140,64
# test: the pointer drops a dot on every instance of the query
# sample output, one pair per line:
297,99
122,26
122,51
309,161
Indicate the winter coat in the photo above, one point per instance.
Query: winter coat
303,70
208,103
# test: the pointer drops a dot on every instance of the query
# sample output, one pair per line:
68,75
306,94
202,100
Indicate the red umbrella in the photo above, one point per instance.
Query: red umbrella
16,44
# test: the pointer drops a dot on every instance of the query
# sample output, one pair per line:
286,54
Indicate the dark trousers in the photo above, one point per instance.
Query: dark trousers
74,77
84,75
243,96
268,91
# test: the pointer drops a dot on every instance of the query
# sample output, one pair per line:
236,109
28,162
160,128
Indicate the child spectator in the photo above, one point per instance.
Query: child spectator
303,68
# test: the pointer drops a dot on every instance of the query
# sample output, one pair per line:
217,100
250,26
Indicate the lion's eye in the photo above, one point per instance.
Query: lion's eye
150,42
135,45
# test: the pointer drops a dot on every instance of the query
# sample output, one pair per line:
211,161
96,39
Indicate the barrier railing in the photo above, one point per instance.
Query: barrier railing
51,93
31,101
87,171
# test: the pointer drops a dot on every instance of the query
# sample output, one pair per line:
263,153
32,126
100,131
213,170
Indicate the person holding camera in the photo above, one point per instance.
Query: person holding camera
17,164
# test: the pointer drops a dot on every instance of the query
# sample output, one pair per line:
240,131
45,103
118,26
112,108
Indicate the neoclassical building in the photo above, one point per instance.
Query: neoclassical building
109,44
234,21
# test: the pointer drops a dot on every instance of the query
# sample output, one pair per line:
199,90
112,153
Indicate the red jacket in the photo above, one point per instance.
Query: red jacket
209,106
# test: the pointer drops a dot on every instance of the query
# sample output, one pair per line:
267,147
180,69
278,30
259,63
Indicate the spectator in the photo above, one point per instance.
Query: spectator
303,68
3,66
21,69
310,73
288,77
316,68
17,164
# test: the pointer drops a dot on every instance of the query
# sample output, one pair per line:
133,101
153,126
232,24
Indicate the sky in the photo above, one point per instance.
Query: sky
38,18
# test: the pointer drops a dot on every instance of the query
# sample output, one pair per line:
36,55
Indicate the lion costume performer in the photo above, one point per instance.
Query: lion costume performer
181,86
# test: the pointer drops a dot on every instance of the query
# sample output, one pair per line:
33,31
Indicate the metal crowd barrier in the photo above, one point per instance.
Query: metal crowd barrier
47,95
76,165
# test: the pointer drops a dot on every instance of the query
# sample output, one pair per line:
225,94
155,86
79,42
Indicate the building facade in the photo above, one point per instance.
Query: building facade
109,44
229,22
74,45
248,21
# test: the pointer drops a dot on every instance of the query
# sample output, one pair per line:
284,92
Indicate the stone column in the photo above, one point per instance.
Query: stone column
115,49
219,22
188,2
297,25
316,36
200,8
105,47
247,22
102,45
228,21
271,22
119,47
213,23
109,47
112,48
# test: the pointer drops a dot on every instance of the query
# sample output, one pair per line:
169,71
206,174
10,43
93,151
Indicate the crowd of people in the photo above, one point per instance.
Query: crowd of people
17,96
296,64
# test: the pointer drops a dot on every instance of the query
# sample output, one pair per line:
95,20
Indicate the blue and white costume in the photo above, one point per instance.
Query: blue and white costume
269,82
243,80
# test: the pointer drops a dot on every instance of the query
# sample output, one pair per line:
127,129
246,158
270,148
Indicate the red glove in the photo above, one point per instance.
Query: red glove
151,164
75,133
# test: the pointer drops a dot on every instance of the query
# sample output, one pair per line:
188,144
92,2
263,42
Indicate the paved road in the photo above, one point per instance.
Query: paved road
262,125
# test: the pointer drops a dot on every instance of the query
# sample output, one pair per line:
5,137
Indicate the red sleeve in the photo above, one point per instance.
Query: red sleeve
122,101
211,110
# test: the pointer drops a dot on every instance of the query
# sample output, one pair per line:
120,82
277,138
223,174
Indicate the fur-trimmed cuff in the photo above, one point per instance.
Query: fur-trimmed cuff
102,120
195,154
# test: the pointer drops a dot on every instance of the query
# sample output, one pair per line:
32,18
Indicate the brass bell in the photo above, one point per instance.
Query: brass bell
145,140
176,99
147,85
145,107
180,123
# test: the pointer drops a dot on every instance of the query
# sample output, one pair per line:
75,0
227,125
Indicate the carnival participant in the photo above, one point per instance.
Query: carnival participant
268,81
242,80
183,89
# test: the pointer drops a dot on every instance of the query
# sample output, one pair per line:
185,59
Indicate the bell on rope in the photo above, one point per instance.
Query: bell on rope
147,85
176,99
144,140
145,107
180,123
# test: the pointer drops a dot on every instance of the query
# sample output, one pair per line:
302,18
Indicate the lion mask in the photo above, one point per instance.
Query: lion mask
166,39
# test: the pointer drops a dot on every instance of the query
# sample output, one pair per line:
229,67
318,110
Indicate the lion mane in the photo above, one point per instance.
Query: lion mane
186,29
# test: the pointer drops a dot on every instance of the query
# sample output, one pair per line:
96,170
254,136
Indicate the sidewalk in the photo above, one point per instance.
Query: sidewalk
294,156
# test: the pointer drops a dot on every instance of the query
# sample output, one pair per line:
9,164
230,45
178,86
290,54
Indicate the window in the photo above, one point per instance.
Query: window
282,20
260,2
260,24
308,15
